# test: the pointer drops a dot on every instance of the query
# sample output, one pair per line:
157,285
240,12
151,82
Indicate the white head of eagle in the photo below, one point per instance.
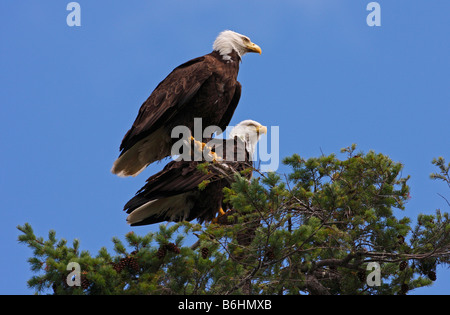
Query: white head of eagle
248,131
227,41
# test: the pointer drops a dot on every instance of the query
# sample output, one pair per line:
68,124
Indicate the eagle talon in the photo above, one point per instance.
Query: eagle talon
219,215
221,211
215,158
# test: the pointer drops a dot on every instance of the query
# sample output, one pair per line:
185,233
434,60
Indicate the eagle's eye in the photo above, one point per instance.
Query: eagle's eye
246,40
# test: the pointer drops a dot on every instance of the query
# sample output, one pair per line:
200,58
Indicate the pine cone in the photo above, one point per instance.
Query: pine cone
84,281
173,248
117,267
121,265
270,254
432,275
403,265
132,264
161,252
404,289
205,252
362,276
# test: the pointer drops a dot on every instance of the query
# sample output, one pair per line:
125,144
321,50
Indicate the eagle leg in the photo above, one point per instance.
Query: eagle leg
215,158
197,143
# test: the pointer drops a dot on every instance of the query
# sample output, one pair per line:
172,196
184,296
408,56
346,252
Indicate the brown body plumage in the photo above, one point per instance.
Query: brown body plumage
205,87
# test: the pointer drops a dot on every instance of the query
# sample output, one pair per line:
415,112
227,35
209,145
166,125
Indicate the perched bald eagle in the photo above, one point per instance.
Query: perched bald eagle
173,194
205,87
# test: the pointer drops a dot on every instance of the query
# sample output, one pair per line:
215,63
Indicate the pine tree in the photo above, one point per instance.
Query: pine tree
313,231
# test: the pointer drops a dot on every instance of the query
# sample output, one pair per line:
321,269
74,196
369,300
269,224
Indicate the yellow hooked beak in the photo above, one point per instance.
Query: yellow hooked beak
252,47
261,130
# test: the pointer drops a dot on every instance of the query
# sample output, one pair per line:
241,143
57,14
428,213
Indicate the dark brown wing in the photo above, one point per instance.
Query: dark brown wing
226,118
176,90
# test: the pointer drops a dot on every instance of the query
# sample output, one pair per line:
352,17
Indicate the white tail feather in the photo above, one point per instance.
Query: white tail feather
143,153
170,208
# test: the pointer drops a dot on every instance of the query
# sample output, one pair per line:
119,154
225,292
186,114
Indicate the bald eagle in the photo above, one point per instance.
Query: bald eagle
173,194
205,87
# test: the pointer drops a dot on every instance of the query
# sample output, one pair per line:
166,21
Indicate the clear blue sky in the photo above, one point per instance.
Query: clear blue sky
327,79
